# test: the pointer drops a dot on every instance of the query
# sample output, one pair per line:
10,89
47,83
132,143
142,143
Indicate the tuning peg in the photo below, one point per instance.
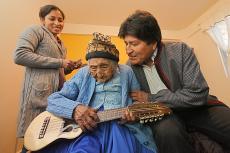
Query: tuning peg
141,121
146,120
155,119
151,120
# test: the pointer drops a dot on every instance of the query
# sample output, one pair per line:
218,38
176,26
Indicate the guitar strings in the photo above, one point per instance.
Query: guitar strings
56,124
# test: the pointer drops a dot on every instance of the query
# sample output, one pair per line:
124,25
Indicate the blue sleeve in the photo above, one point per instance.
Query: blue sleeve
63,102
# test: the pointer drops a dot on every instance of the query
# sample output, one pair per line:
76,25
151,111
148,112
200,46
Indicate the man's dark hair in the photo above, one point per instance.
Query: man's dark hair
143,26
45,10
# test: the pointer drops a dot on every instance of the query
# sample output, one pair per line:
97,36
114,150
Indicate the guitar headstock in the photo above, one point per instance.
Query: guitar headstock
149,111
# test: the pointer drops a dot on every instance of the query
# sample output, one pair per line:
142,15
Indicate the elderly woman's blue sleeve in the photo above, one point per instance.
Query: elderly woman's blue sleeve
63,102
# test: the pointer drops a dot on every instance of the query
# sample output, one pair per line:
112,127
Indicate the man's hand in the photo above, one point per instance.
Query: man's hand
85,117
140,96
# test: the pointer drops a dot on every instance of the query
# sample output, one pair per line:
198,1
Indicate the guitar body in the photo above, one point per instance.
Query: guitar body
46,128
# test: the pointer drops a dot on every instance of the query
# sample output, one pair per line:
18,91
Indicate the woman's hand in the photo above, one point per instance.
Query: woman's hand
85,117
78,64
70,65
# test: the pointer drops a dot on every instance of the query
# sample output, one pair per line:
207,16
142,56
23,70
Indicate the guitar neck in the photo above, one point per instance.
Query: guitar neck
110,114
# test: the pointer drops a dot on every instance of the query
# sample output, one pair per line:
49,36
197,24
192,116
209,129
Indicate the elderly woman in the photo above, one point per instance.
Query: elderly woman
102,85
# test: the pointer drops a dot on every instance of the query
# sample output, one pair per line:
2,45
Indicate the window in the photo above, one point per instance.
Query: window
220,33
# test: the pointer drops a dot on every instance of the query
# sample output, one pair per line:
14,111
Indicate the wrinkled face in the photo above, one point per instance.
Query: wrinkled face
101,69
54,22
139,52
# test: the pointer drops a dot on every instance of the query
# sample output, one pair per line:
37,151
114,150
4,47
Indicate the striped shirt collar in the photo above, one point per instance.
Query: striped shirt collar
152,57
154,54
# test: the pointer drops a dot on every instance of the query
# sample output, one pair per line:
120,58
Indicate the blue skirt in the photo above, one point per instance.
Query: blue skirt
108,137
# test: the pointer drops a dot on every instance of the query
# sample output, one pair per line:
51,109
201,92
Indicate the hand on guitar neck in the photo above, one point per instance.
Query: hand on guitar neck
131,115
85,117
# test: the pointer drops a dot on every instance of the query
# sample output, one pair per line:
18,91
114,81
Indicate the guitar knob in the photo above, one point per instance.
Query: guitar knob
155,119
146,120
151,120
141,121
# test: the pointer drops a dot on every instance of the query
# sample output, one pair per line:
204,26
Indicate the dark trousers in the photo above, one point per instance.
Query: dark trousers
171,135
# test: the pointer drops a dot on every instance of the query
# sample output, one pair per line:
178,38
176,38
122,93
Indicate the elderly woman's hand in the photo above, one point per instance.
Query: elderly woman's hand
85,117
127,117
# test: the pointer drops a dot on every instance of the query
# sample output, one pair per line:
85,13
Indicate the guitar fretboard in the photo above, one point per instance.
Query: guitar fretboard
111,114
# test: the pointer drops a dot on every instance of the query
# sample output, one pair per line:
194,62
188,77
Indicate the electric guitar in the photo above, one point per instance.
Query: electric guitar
46,127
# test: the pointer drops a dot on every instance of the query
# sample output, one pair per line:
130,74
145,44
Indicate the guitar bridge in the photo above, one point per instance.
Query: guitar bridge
44,127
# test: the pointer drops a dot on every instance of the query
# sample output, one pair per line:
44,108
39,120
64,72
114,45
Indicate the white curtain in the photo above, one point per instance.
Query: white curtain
220,33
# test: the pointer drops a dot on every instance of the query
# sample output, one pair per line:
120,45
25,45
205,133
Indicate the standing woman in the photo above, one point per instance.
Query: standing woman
42,53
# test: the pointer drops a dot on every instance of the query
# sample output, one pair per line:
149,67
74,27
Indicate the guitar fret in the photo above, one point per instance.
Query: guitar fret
111,114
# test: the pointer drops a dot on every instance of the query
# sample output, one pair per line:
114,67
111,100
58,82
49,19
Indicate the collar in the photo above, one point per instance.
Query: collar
152,57
154,54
